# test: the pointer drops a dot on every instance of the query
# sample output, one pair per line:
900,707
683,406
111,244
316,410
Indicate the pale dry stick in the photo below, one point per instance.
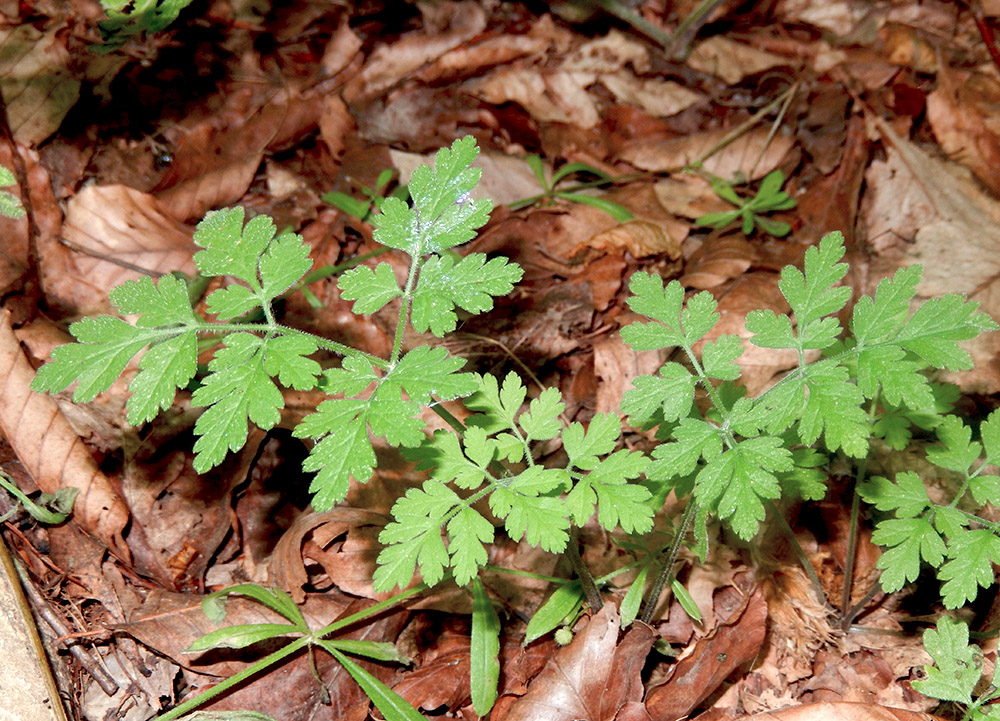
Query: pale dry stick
790,93
47,614
743,127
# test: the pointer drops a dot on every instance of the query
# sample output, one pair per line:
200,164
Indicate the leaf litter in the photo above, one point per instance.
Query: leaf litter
272,111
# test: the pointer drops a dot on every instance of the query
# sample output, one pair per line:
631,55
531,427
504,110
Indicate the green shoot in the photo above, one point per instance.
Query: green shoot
750,210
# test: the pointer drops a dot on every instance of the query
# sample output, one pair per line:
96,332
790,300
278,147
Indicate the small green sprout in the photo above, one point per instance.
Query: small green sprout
770,197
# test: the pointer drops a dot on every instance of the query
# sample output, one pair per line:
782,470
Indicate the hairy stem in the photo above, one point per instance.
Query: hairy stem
852,533
582,572
668,568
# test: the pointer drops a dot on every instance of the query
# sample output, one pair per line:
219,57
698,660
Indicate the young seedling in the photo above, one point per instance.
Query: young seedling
573,195
750,210
363,209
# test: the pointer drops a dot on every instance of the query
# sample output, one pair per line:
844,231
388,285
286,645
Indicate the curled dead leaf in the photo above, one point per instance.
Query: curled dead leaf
641,238
51,452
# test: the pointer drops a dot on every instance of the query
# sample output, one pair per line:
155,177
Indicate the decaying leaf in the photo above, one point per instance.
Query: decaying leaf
52,453
592,677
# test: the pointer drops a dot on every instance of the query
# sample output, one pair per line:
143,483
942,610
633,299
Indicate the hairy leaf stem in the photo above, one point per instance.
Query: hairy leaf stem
852,533
666,573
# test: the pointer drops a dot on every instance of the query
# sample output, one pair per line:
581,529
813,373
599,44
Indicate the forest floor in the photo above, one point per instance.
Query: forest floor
882,117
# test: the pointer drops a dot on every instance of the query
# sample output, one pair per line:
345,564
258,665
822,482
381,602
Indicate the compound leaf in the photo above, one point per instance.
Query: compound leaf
811,294
542,520
600,438
164,368
957,666
908,540
105,346
230,248
971,555
907,496
887,367
934,330
469,284
237,389
695,440
285,357
770,330
467,532
163,303
883,316
958,451
541,421
737,482
718,357
671,393
619,503
370,290
429,372
443,213
414,537
833,408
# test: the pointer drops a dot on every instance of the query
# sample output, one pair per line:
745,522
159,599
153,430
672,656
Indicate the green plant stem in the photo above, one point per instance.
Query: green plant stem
251,670
687,27
526,574
663,578
852,613
582,572
404,310
852,533
637,21
801,554
532,199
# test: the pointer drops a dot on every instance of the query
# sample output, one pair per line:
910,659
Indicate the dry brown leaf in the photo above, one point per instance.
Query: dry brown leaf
554,96
215,157
505,178
955,232
660,98
828,711
467,60
117,234
180,519
689,196
441,682
341,50
287,563
706,665
755,154
962,111
38,87
607,54
730,60
641,238
591,678
14,231
51,452
718,260
617,365
394,62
